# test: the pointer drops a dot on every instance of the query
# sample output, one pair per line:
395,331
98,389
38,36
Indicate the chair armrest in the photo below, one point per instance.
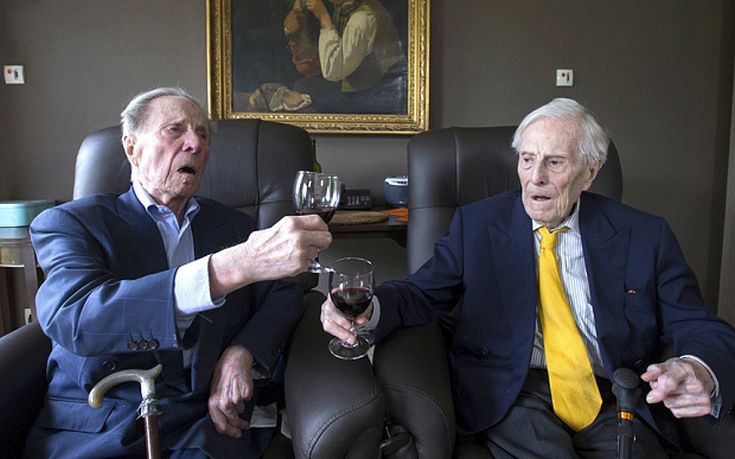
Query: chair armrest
701,436
334,406
23,356
411,365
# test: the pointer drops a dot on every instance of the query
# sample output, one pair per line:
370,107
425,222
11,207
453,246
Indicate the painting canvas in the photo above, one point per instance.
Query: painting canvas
330,66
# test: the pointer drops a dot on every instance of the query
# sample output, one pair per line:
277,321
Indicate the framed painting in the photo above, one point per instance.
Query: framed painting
329,66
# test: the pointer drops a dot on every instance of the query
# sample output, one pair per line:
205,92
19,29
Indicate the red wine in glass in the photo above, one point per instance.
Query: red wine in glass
352,301
351,290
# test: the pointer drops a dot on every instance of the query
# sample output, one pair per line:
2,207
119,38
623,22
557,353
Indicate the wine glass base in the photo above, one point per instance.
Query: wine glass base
345,351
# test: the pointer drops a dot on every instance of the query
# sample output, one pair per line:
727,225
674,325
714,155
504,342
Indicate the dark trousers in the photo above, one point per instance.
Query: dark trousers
531,429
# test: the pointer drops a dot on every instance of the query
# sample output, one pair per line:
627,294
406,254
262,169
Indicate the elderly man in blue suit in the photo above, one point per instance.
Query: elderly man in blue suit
544,325
142,278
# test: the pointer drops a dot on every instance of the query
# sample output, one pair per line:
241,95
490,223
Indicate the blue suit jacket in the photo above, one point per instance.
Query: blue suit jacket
644,295
108,304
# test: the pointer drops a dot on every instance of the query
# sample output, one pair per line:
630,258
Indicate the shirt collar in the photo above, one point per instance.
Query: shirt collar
571,222
154,209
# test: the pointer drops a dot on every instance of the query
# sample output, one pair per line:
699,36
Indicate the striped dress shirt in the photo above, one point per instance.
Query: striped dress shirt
577,288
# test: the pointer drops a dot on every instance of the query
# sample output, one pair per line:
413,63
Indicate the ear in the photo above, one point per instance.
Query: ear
591,172
128,142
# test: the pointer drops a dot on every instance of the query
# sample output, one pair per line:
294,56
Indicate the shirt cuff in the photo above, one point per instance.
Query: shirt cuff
192,293
715,395
375,316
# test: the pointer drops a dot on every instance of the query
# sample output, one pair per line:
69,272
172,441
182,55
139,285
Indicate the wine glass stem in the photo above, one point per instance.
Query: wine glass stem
316,267
353,330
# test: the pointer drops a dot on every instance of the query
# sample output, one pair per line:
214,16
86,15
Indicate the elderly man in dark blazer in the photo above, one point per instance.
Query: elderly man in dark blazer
625,288
142,278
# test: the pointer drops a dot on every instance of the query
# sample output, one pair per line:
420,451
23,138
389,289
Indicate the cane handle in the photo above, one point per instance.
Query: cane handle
146,378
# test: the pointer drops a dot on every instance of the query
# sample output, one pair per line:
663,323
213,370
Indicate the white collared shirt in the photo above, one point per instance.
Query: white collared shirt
191,282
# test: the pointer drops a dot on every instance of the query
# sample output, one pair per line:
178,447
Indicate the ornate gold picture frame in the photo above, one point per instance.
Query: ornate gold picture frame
268,59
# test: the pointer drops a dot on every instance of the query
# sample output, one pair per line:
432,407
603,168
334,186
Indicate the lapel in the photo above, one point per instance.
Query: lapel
515,265
206,228
606,256
140,236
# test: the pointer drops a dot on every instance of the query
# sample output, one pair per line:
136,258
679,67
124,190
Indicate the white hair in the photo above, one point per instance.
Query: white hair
593,139
136,112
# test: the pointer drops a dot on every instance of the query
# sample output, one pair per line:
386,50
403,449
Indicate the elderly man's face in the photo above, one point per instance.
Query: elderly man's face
170,150
551,172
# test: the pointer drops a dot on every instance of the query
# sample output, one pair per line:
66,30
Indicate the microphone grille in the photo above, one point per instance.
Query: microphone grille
625,378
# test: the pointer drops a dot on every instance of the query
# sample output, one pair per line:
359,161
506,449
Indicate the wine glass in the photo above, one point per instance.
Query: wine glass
316,193
351,290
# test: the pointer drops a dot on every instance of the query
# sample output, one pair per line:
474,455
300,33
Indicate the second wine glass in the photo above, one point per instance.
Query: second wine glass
316,193
351,290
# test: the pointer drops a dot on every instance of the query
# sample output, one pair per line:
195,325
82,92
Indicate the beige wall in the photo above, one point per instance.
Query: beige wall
658,73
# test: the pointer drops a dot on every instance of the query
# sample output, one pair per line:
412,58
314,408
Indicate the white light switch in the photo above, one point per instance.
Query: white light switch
13,74
564,77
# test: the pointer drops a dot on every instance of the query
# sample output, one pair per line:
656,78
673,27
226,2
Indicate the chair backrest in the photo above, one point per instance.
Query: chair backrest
451,167
252,164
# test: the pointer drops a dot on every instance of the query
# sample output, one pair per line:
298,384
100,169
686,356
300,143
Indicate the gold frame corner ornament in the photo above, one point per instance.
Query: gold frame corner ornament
414,120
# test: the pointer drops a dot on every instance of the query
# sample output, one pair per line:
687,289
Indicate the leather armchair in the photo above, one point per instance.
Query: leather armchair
448,168
251,168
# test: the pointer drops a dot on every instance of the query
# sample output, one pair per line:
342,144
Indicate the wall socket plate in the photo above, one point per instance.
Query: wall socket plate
14,74
565,77
27,315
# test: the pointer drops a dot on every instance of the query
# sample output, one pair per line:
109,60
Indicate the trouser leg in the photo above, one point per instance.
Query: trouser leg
531,429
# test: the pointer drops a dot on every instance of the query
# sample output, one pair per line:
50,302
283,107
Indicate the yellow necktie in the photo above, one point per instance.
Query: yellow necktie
574,391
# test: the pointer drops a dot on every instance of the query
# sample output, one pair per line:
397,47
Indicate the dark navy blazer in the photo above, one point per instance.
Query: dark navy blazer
108,304
644,296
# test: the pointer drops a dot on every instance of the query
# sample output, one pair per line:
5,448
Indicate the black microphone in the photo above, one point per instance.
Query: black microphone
626,390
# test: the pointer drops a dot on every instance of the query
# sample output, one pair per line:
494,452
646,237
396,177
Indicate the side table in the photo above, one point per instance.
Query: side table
16,251
391,228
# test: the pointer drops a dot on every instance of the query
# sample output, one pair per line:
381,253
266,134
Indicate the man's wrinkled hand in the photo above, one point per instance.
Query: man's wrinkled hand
232,386
287,248
683,385
336,324
281,251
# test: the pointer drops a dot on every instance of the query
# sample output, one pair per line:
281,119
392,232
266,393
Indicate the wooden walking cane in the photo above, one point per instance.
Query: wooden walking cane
148,409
